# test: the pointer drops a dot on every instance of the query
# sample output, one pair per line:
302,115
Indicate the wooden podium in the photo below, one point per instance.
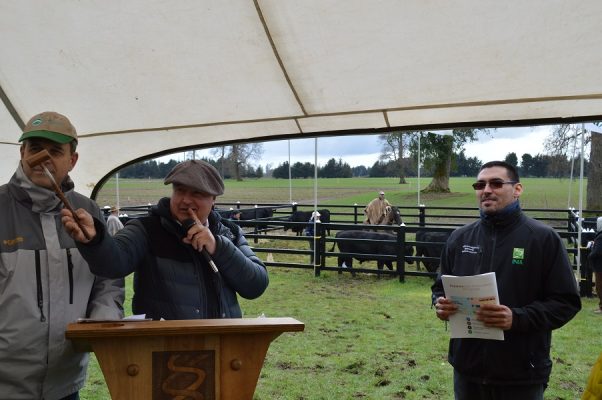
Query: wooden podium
181,360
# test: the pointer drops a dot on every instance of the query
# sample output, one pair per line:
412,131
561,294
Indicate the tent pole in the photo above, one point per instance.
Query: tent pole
290,182
117,190
572,169
580,225
315,198
418,167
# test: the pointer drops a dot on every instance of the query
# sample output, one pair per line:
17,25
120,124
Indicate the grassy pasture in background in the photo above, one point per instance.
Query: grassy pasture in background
365,337
538,193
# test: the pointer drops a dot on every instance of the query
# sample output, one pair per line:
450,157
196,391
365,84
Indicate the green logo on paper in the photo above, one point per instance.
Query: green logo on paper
518,256
37,122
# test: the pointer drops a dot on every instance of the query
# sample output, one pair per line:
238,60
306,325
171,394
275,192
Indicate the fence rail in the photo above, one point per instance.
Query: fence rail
432,219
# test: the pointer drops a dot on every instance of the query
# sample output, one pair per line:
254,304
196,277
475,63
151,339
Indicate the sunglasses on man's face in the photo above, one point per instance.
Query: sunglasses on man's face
493,184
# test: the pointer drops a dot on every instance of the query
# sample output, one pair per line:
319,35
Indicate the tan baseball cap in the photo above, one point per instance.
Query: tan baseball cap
50,125
197,174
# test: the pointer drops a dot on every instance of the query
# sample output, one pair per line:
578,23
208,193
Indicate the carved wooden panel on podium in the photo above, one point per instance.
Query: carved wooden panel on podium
181,360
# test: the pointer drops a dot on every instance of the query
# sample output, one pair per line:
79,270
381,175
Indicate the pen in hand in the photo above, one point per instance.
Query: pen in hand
189,223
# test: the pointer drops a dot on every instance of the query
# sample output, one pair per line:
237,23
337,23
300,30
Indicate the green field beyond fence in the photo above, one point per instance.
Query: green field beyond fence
365,337
539,193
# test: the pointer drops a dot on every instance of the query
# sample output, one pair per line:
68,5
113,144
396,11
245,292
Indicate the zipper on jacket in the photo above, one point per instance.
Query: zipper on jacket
39,287
493,244
70,272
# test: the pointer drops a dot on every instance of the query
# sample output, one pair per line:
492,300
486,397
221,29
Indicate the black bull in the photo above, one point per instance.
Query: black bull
368,246
259,213
430,244
305,216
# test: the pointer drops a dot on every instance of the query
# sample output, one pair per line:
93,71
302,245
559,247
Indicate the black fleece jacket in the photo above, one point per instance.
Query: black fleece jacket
534,279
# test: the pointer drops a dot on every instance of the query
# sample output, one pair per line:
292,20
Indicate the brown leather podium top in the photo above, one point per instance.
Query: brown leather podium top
84,330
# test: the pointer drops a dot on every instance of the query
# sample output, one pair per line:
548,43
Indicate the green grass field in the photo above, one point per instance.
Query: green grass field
538,193
365,337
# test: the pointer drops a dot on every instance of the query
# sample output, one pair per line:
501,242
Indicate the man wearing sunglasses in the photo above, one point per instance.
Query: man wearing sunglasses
536,287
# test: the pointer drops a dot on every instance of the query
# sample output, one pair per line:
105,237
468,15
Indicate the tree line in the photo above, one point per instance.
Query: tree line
540,166
441,156
152,169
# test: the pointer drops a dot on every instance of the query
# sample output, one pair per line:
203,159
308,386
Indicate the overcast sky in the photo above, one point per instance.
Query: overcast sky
365,150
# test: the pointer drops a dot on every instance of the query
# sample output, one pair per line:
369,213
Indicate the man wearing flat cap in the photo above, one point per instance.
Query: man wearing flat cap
44,282
188,263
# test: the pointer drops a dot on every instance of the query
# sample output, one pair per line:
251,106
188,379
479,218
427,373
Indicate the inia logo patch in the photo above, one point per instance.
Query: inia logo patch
518,256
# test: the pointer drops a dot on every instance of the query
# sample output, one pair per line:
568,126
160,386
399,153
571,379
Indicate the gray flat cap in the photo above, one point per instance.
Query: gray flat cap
198,175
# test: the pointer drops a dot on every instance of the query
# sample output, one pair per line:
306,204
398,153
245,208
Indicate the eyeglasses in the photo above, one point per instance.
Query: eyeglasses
494,184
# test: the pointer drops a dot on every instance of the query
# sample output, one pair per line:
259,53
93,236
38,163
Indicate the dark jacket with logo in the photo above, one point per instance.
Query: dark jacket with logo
534,279
171,279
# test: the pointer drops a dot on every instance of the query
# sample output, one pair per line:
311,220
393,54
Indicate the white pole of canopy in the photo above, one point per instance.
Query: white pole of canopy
117,191
315,198
418,167
572,168
290,182
580,225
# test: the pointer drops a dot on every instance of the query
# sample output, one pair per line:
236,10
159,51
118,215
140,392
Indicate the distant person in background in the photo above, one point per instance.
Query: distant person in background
595,262
309,231
376,211
114,224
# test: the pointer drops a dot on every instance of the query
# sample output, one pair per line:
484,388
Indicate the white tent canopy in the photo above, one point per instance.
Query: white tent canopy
141,78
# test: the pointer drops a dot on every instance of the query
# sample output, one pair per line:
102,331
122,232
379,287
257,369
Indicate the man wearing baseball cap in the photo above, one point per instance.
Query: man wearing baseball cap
188,263
49,284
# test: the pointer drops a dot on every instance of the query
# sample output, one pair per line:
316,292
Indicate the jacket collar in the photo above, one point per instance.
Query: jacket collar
38,198
504,217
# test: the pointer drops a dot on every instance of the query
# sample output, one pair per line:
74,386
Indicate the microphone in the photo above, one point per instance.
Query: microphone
189,223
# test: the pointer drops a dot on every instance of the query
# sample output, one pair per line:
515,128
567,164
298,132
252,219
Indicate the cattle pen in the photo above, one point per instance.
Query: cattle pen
269,236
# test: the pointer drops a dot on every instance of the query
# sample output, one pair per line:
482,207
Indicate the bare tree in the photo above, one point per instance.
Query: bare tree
233,158
563,139
190,155
394,145
220,153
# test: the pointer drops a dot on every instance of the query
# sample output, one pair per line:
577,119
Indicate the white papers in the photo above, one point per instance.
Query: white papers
469,292
138,317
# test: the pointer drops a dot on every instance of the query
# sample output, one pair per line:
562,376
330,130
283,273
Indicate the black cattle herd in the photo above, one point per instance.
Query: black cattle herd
363,245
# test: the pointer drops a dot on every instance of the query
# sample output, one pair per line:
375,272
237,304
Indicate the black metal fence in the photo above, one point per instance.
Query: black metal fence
271,231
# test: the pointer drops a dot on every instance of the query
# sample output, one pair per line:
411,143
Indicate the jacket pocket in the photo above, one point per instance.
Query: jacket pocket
8,263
